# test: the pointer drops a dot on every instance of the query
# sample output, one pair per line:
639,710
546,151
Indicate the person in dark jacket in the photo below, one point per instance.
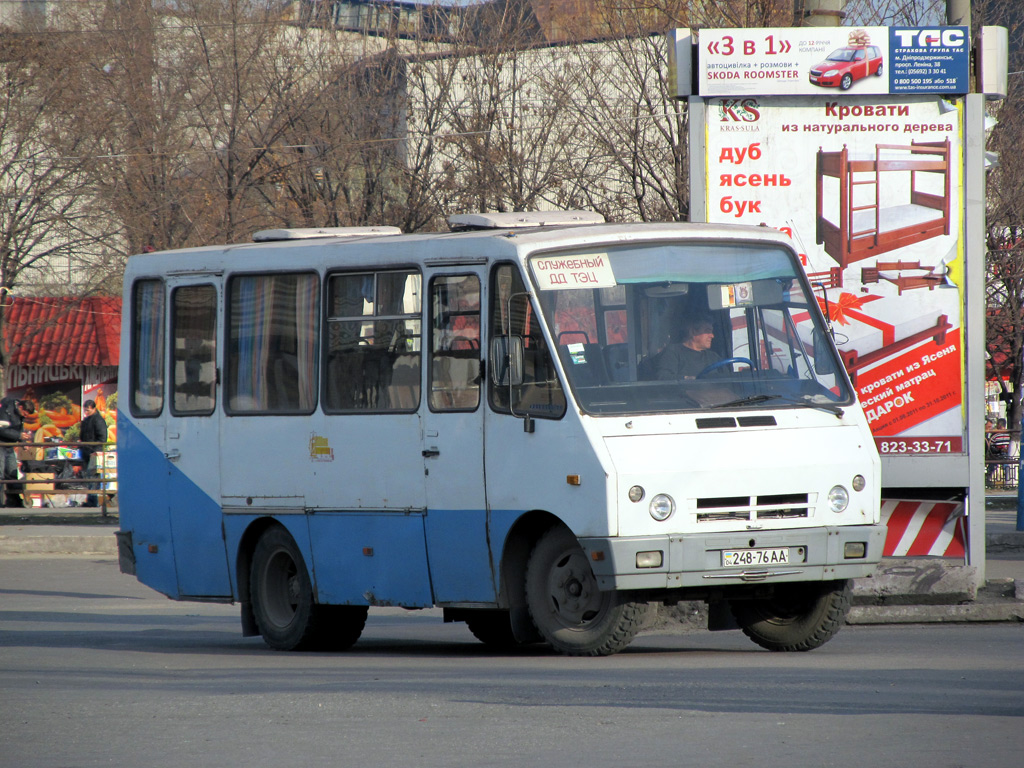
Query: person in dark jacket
13,413
690,357
92,430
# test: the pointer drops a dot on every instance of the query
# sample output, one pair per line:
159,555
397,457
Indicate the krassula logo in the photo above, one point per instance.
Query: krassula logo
739,111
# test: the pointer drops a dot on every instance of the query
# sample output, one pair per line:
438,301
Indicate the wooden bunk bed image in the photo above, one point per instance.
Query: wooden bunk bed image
865,227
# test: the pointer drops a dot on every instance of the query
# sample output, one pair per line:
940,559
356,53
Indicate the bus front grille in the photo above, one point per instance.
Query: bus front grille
770,507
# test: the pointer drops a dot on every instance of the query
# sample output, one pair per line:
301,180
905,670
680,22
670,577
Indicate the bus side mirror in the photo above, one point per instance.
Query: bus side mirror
824,361
507,361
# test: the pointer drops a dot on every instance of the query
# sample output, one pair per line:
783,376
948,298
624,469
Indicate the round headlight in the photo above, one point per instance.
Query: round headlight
859,483
662,507
636,493
838,498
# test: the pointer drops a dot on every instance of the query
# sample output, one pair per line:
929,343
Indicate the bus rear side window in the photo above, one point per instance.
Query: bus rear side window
194,350
272,335
147,362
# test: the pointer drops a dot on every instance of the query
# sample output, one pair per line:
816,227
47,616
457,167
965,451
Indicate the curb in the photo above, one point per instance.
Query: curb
1004,542
936,614
22,541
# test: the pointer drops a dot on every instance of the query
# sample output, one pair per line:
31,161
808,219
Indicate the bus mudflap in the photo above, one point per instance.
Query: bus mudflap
125,552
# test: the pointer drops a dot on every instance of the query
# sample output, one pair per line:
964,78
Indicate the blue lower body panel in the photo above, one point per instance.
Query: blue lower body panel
372,558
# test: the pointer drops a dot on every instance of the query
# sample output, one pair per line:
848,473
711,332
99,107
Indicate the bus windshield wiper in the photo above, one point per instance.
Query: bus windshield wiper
835,410
809,402
747,401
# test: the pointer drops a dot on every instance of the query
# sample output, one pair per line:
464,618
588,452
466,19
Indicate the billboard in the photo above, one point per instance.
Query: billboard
871,191
815,61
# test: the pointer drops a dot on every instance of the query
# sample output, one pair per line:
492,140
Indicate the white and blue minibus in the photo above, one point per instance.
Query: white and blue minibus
504,421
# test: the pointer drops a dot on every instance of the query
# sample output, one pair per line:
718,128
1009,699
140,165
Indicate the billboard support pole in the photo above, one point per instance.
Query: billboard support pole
695,115
974,324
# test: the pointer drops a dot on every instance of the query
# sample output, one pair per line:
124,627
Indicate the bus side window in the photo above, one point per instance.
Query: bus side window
455,343
147,363
372,345
512,313
271,354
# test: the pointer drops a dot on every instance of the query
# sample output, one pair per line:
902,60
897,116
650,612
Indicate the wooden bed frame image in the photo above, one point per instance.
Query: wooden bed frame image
854,361
869,229
883,269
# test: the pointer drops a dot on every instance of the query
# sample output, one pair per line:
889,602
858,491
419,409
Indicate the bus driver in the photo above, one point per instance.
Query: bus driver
686,359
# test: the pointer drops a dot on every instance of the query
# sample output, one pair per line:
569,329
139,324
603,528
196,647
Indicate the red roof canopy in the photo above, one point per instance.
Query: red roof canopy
63,330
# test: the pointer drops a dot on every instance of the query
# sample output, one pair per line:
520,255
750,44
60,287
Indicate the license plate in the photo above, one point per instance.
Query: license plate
732,557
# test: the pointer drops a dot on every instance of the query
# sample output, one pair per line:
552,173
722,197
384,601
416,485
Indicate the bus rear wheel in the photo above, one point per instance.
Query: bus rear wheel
566,606
282,599
799,617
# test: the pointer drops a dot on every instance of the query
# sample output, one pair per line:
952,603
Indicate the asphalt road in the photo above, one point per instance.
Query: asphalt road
97,670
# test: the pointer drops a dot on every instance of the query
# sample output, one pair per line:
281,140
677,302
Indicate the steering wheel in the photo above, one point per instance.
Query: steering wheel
722,363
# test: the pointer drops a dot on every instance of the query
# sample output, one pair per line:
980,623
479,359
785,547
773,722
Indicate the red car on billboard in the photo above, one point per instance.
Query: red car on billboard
845,65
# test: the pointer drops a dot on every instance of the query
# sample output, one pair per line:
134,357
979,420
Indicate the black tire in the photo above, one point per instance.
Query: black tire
799,617
878,72
846,81
282,600
493,629
566,606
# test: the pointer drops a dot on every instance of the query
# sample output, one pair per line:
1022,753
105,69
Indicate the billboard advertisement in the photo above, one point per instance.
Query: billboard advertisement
816,61
871,191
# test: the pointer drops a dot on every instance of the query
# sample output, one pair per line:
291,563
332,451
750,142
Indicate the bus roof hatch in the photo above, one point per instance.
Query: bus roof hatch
522,219
270,235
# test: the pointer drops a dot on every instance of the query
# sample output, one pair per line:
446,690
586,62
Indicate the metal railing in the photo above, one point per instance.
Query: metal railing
53,474
1001,474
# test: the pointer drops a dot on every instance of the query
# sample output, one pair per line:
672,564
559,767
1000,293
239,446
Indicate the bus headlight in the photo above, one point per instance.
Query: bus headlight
662,506
636,493
838,499
859,483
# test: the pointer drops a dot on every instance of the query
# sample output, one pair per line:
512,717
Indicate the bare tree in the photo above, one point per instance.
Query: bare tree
631,148
896,12
1005,194
50,223
143,170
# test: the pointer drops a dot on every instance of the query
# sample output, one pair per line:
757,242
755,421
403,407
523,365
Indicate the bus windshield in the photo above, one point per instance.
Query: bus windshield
682,326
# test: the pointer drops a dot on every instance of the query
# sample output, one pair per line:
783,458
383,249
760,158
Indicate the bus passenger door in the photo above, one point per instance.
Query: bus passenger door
192,443
457,518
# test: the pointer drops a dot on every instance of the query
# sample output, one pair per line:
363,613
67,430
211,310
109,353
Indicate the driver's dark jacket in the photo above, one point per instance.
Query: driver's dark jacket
678,361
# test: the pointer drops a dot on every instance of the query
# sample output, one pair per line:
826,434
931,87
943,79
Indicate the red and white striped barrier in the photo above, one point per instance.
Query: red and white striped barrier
921,528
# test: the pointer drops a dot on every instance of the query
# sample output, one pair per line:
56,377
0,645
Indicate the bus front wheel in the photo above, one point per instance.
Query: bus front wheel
798,617
566,606
282,599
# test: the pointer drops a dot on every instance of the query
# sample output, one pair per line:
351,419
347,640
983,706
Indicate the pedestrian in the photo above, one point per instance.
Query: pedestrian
92,430
13,413
999,440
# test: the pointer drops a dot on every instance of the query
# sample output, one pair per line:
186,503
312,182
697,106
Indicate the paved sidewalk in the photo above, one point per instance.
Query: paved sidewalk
903,590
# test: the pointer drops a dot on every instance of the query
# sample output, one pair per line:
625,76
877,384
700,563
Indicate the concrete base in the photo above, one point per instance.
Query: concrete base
929,614
917,581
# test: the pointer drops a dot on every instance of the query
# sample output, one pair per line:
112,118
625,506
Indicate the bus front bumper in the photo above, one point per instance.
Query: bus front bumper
736,558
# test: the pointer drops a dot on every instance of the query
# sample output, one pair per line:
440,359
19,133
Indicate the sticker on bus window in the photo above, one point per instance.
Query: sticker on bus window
576,353
560,273
737,294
